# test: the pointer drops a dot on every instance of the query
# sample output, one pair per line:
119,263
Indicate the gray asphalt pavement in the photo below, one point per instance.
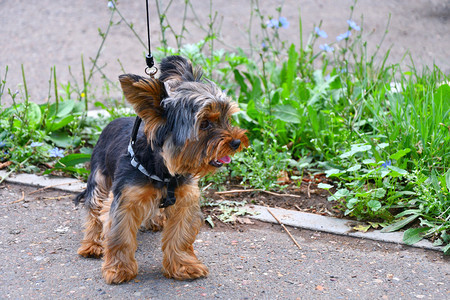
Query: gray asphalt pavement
40,233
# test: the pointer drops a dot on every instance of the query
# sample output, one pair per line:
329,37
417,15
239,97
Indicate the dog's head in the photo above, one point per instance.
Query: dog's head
187,118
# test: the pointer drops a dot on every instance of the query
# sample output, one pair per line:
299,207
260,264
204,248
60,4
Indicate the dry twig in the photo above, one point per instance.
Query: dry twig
57,198
207,187
21,198
52,186
257,190
285,229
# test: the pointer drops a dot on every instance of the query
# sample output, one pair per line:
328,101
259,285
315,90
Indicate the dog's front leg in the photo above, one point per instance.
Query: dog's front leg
127,212
182,226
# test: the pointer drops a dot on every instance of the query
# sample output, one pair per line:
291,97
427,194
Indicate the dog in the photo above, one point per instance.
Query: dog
152,178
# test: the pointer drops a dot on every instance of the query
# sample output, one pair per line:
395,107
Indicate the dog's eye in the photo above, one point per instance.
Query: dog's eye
205,124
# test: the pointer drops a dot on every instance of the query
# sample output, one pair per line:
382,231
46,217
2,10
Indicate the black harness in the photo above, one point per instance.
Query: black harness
169,181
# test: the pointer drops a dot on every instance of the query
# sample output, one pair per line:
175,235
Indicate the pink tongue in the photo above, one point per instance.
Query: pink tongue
225,160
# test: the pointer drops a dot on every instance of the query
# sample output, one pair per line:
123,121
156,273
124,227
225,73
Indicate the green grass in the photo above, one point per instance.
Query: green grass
381,133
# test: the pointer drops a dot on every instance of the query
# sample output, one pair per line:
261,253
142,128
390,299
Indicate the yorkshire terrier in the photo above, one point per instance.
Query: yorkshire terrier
153,179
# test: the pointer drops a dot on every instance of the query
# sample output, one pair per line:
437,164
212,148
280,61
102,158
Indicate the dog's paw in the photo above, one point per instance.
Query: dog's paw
90,249
185,272
154,223
115,275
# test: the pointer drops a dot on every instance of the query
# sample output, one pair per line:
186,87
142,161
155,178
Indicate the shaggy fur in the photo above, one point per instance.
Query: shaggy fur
185,135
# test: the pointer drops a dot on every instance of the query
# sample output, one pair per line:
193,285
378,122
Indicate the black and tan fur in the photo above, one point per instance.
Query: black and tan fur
186,131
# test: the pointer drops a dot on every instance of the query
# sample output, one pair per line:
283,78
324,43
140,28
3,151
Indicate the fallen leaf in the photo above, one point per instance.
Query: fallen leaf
245,221
5,164
283,178
362,227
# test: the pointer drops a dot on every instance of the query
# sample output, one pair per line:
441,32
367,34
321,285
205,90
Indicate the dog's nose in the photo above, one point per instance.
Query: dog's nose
234,144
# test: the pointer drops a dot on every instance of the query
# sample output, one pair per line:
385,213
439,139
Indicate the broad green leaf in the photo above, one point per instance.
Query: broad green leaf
33,114
382,145
352,202
414,235
291,66
369,161
442,98
374,205
446,249
384,172
397,171
78,108
312,114
400,224
73,169
339,194
62,140
378,193
408,212
354,168
324,186
65,108
286,113
333,173
435,181
399,154
74,159
59,123
356,149
86,150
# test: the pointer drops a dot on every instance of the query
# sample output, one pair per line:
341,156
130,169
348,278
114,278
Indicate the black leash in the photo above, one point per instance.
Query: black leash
170,182
151,69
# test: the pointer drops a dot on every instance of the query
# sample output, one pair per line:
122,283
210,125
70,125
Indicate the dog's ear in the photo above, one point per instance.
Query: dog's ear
178,69
145,95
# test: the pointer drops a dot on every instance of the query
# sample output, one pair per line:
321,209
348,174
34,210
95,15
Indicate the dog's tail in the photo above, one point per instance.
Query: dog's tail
85,196
80,198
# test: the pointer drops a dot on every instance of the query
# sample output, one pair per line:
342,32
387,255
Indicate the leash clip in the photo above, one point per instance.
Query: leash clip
150,70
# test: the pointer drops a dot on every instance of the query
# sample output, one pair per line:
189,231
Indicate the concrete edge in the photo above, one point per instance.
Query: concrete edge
287,217
60,183
330,225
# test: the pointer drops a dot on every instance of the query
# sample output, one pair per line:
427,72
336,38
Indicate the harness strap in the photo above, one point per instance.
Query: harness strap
171,182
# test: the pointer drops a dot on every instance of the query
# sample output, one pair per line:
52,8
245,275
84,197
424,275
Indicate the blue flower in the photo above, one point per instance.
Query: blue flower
326,48
35,144
343,36
56,152
283,22
320,33
3,157
387,164
273,23
110,4
264,46
2,144
353,25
